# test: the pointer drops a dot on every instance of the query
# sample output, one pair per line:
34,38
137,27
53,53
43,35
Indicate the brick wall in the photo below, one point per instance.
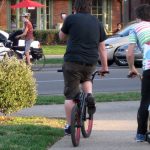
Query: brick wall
116,13
60,6
3,16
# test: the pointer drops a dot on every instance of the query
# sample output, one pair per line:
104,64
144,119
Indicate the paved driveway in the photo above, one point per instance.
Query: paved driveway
114,129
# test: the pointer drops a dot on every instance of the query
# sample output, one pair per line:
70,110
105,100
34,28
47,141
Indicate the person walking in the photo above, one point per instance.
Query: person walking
27,34
85,35
140,35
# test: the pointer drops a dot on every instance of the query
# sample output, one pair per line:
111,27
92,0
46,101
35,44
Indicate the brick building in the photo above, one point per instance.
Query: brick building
110,12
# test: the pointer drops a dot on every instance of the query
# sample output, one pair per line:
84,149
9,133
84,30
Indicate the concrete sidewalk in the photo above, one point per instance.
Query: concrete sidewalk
114,126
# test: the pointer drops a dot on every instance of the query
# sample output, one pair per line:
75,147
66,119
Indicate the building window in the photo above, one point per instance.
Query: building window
13,22
102,10
45,14
97,9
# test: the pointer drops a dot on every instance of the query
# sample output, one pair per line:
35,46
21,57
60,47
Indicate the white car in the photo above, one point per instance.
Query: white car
3,50
114,42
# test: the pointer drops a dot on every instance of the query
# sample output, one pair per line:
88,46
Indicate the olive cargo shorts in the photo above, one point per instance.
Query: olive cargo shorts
74,74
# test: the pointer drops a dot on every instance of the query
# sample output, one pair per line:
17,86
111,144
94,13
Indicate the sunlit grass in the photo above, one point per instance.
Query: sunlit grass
24,133
54,49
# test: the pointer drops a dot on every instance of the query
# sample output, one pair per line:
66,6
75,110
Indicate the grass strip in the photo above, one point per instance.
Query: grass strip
54,61
24,133
54,49
100,97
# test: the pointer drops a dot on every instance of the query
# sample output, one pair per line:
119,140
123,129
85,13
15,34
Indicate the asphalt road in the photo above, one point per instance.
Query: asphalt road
49,81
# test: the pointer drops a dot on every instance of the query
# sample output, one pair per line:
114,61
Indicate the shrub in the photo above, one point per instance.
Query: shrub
47,37
17,86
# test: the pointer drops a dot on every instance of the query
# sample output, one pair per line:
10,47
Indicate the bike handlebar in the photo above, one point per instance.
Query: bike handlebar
59,70
100,73
133,74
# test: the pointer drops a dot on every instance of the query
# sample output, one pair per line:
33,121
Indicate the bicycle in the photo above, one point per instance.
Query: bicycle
148,130
37,56
81,120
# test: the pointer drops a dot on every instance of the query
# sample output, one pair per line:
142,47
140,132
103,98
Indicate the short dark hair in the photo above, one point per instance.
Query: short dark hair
83,6
143,12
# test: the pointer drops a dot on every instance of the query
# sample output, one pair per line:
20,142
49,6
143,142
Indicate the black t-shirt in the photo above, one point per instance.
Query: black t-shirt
85,32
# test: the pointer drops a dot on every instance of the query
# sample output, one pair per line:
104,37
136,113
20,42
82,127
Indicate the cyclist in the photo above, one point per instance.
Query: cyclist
86,37
140,35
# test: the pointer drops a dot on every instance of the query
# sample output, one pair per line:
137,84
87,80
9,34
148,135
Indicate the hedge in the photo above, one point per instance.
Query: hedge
46,37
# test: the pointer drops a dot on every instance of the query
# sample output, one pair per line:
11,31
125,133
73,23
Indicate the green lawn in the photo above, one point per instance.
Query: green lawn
29,133
54,49
38,133
54,61
100,97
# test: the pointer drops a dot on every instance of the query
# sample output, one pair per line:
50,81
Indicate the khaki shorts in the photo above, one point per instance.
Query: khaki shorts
27,45
74,74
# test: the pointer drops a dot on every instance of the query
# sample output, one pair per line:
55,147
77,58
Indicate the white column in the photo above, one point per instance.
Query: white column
18,16
45,20
38,18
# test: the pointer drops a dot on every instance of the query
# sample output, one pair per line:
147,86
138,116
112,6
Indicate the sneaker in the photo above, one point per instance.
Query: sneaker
67,129
140,138
91,104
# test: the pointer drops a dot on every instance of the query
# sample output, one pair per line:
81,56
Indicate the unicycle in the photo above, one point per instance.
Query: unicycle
81,119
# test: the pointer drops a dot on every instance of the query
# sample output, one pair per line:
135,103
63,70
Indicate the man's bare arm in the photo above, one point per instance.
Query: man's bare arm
62,36
130,58
23,34
130,55
103,56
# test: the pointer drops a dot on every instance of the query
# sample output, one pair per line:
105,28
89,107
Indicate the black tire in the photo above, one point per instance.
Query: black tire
75,126
120,62
148,137
11,54
38,63
87,123
110,62
138,65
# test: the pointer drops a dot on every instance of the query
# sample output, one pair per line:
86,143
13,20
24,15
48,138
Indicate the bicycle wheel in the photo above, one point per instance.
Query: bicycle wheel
75,126
87,123
38,63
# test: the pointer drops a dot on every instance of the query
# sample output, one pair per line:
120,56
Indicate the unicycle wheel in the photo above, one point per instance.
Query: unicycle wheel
87,123
75,126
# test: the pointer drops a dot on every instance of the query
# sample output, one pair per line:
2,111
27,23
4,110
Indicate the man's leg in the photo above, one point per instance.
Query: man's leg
87,88
27,51
71,90
27,54
68,108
